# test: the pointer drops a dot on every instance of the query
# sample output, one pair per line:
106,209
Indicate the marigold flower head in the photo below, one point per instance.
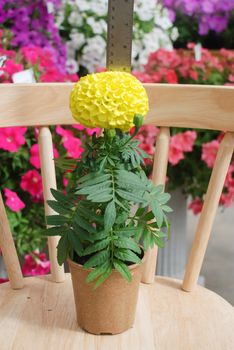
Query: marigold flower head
108,100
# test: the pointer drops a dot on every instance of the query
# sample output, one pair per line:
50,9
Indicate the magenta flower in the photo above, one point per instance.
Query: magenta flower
13,201
12,138
35,264
209,152
31,182
180,143
35,157
73,147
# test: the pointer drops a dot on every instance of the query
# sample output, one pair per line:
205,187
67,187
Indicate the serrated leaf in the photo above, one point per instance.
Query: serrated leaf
103,277
126,231
123,269
62,198
158,213
54,231
80,221
167,209
96,247
130,196
95,188
97,271
93,179
63,249
163,198
98,259
75,242
56,220
109,216
99,235
101,198
127,243
100,195
127,255
57,206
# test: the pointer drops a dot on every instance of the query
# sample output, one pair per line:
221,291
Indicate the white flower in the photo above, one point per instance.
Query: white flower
91,47
72,66
96,26
75,19
94,54
77,39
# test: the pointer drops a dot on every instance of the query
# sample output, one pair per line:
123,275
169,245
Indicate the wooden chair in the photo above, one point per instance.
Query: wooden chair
41,313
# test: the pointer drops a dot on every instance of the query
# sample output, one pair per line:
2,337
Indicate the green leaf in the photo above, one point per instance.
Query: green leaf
56,206
75,242
63,249
95,247
95,188
163,198
158,213
93,179
62,198
97,271
99,235
127,255
127,243
103,277
56,220
54,231
123,269
126,231
127,178
167,209
109,216
98,259
80,221
102,198
130,196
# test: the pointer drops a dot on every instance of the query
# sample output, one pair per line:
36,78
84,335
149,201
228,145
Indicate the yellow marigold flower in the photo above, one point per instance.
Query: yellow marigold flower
108,100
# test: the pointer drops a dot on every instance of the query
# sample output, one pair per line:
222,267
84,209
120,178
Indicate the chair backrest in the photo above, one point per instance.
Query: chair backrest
205,107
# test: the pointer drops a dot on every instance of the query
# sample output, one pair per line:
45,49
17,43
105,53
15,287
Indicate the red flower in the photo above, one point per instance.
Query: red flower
13,201
196,206
171,77
31,182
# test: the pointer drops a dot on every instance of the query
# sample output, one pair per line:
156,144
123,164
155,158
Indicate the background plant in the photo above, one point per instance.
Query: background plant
190,148
209,22
83,25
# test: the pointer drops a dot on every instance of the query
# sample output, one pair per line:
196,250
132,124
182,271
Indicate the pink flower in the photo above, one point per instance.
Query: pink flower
3,280
70,142
185,141
175,154
209,152
30,53
35,264
12,138
90,132
171,77
13,201
35,157
31,182
11,67
196,206
73,147
78,127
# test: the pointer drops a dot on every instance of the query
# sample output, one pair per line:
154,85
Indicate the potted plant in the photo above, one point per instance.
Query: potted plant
110,207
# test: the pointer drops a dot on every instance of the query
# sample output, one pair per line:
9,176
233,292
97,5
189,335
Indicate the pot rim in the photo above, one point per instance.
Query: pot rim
131,267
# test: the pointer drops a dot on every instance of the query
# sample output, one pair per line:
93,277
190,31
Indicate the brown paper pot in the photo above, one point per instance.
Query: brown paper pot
110,309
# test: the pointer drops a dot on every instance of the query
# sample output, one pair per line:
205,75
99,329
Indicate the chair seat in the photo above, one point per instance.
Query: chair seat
42,316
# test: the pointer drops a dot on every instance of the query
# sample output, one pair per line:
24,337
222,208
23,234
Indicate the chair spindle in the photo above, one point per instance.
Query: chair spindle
49,181
210,207
158,178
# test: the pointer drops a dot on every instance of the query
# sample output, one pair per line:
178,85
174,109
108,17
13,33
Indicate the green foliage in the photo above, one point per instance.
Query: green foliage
96,220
